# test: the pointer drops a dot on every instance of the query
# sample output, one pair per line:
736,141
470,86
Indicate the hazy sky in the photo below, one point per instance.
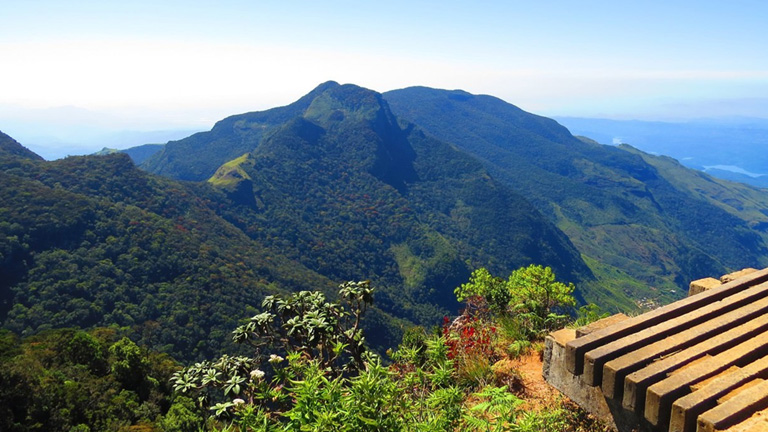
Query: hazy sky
164,64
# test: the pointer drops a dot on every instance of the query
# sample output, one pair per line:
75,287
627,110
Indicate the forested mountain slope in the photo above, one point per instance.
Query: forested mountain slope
340,191
197,157
353,194
627,218
744,201
88,241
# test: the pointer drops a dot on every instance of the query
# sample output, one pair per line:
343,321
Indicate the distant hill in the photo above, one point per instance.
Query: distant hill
728,149
197,157
138,154
11,149
143,152
628,217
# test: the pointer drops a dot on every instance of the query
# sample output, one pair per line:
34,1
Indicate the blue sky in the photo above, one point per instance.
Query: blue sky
142,65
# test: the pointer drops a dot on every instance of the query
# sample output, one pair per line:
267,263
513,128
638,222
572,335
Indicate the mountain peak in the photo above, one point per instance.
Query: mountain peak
325,86
347,102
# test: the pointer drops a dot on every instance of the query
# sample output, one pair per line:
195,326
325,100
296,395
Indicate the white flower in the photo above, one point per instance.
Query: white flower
257,374
238,401
273,358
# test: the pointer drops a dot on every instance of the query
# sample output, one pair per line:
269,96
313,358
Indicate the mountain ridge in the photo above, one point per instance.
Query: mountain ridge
197,157
348,152
350,184
614,206
340,191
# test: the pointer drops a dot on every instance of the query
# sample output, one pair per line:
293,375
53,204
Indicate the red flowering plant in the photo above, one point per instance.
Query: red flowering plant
472,342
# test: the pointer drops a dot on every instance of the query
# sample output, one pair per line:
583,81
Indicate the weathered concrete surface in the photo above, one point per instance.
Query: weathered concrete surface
660,396
701,285
617,369
698,364
636,383
589,398
757,423
735,410
600,324
576,349
686,409
596,358
736,275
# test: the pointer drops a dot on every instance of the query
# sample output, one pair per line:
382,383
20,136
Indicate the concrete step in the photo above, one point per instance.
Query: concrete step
686,409
735,410
636,383
660,396
597,357
735,392
576,349
617,369
757,423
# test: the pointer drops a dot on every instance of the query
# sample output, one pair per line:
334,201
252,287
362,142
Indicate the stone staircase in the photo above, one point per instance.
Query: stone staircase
699,364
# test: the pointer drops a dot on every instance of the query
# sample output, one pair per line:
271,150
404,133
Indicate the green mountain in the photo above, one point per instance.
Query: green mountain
11,149
339,191
352,194
87,241
748,203
198,156
630,219
138,154
336,187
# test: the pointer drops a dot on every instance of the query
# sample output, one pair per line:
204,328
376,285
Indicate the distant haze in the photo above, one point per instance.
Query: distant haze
732,148
147,65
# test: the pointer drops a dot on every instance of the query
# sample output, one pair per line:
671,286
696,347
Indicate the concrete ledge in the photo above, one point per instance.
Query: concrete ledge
554,372
576,349
699,363
617,369
636,383
596,358
735,410
701,285
660,396
600,324
737,275
686,409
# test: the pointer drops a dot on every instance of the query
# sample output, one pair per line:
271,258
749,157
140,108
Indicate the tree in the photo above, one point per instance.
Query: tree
494,290
539,298
129,364
532,294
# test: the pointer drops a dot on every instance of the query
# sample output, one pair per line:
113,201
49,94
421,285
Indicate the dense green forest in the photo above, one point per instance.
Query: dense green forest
112,277
633,217
342,192
353,195
306,366
97,380
94,241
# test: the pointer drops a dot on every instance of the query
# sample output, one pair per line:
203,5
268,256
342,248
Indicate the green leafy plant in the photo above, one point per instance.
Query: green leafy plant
588,314
496,413
531,295
308,323
494,290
